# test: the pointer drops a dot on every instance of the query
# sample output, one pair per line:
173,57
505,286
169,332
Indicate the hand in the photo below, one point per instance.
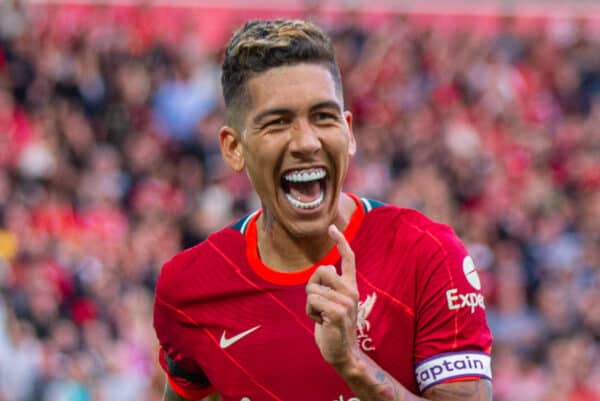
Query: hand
332,302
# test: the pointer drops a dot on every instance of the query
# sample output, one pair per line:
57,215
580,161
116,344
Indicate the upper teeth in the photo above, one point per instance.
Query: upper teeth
306,175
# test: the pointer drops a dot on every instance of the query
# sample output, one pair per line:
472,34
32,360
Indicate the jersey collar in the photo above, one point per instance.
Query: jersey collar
300,276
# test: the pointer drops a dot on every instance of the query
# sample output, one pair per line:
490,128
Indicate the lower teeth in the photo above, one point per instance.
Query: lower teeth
306,205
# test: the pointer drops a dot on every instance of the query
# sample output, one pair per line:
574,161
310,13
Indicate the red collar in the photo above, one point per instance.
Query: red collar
300,276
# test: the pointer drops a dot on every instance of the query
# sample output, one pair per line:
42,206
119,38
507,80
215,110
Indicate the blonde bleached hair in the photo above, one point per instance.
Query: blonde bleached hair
261,45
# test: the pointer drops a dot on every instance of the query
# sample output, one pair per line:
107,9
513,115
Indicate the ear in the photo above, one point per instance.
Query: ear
352,140
231,148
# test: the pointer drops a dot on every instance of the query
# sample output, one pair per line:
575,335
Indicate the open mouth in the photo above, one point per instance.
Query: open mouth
305,189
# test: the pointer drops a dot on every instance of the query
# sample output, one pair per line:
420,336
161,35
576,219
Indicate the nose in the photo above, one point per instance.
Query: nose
305,140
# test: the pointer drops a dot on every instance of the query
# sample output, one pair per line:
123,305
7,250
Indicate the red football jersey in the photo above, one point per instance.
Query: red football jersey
228,323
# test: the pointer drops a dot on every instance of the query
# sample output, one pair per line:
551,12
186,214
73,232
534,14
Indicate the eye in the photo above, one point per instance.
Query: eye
324,117
275,123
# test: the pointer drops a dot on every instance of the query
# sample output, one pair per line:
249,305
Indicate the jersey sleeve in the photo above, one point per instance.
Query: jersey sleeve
453,341
185,376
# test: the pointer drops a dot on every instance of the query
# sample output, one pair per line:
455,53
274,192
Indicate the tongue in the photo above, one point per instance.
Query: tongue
305,191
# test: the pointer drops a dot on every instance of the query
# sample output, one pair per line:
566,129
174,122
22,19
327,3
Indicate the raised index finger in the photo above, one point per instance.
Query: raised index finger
347,254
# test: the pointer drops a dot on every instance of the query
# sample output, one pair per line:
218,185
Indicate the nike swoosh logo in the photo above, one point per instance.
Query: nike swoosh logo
227,342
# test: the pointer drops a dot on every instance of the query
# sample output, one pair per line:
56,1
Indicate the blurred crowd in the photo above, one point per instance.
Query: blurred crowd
109,165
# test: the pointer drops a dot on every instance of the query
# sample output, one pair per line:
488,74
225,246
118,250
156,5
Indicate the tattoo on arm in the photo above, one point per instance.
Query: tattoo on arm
386,386
373,383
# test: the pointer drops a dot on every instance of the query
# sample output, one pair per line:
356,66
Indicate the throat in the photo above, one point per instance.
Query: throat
281,252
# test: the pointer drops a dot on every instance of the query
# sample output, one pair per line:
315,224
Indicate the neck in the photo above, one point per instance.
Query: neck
281,251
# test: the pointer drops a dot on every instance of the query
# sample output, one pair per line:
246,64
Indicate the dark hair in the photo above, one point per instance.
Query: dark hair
260,45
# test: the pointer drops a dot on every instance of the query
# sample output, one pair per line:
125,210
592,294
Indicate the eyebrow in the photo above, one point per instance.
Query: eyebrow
269,112
328,104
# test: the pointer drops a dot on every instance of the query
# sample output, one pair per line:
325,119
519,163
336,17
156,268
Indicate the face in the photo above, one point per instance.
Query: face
296,145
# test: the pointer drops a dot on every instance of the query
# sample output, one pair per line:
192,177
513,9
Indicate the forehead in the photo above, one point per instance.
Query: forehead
292,87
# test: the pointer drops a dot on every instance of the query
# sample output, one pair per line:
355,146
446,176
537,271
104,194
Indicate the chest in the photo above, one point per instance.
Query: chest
258,344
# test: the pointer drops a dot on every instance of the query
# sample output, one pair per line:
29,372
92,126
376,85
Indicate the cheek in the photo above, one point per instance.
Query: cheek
344,155
266,149
260,176
260,166
342,150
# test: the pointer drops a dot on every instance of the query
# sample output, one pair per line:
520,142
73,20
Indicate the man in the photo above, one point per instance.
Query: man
320,295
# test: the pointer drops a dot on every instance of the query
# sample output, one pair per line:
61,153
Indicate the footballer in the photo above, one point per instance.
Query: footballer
320,295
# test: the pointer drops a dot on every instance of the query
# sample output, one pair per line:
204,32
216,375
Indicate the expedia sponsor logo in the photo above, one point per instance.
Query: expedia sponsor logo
452,365
472,300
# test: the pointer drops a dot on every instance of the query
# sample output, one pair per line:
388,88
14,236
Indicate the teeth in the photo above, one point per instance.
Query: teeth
306,175
307,205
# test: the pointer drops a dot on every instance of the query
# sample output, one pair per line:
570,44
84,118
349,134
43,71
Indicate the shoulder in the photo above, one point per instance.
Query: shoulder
198,263
410,225
438,247
425,247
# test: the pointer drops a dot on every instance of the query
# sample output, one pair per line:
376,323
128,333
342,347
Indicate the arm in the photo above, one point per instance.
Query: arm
186,380
170,395
332,303
371,383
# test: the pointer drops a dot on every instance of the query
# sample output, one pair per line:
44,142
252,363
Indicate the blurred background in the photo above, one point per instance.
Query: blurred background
484,115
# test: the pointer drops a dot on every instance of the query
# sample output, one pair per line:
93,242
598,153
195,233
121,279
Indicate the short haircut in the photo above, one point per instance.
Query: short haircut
261,45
